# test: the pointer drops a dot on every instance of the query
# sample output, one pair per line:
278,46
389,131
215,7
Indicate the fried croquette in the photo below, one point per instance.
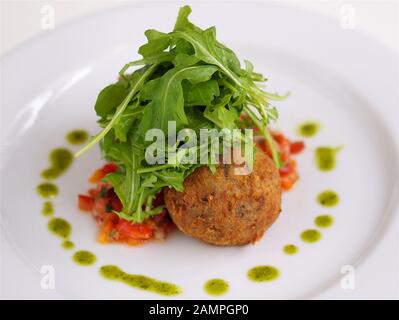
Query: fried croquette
226,209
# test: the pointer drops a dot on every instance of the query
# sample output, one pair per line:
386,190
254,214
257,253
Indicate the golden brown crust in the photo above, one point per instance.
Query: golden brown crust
224,208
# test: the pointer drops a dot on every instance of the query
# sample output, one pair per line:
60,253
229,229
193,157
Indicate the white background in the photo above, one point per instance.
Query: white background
21,20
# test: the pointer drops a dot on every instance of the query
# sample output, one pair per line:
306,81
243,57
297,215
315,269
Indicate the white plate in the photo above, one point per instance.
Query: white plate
338,77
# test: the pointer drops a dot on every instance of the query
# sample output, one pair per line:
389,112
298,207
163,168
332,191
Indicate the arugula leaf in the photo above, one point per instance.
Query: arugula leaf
137,82
172,178
125,122
126,185
197,120
167,97
157,43
110,97
200,94
182,22
222,116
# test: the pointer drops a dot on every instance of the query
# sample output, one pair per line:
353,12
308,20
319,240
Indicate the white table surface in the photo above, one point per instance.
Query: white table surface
20,20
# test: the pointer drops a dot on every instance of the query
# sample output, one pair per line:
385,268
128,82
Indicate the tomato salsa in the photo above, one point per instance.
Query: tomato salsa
286,148
101,201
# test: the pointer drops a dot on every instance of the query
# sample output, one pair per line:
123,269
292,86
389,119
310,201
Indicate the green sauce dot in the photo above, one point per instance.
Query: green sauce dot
50,173
290,249
67,244
77,137
311,235
308,129
324,221
111,272
60,227
216,287
139,281
48,208
84,258
263,273
47,190
328,198
325,158
60,160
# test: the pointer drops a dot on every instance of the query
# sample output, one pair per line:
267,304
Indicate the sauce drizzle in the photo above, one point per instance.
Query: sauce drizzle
84,258
60,227
216,287
263,273
328,198
324,221
77,137
290,249
48,208
139,281
47,190
325,158
311,235
60,160
308,129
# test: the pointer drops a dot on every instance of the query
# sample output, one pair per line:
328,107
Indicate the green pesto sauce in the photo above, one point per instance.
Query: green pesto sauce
216,287
324,221
311,235
47,190
139,281
325,158
60,227
308,129
48,208
328,198
290,249
263,273
77,137
60,160
84,258
68,245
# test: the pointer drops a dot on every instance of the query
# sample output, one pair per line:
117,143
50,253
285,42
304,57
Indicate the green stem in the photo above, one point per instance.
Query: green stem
268,137
118,113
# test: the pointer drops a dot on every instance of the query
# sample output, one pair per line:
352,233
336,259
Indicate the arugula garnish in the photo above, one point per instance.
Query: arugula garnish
185,76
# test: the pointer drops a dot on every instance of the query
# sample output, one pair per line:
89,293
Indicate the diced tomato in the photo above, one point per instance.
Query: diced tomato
297,147
93,192
116,204
287,169
85,203
285,148
279,138
109,168
289,180
136,231
115,229
101,173
96,176
106,229
284,156
101,207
